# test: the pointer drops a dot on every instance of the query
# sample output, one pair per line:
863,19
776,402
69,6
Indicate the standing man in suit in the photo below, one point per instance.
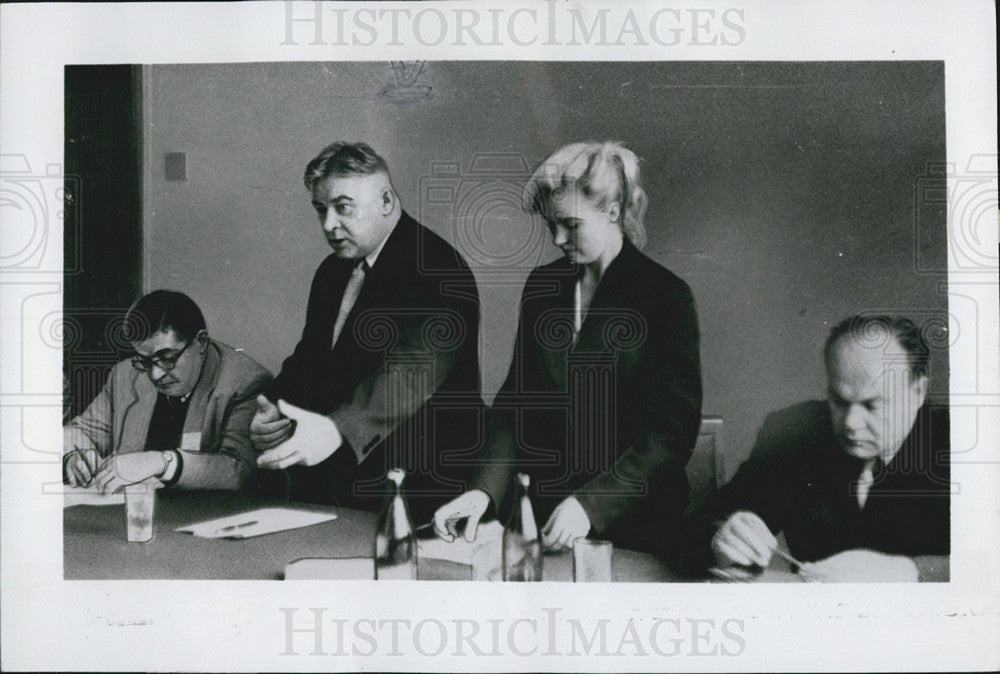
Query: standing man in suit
386,373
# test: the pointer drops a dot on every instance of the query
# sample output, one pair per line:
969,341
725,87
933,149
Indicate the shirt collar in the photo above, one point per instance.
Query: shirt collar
371,257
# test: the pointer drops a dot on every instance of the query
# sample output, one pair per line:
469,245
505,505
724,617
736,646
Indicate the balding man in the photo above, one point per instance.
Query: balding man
859,485
386,373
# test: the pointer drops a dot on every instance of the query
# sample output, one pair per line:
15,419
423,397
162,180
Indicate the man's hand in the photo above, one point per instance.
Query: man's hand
268,428
743,540
120,470
568,522
863,566
470,506
316,437
80,466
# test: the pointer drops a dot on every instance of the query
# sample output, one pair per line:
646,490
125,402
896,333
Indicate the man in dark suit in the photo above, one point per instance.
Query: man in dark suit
386,373
859,485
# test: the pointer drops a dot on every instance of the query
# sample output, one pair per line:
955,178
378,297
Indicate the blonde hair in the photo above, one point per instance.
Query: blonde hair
605,172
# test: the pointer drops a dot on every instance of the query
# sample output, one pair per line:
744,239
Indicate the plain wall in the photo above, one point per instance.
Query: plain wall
785,194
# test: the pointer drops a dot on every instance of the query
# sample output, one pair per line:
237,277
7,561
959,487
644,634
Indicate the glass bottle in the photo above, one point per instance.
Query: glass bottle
522,546
395,544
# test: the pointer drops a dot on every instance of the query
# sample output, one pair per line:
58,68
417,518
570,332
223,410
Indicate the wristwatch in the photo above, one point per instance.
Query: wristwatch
169,457
168,461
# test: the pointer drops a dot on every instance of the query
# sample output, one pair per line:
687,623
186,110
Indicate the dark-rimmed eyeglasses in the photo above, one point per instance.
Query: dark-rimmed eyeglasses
165,363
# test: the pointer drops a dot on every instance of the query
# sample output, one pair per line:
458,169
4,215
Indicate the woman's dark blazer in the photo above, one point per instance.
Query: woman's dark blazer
611,419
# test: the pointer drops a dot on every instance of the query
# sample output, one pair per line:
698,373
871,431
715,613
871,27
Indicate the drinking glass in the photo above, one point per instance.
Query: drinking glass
140,505
592,561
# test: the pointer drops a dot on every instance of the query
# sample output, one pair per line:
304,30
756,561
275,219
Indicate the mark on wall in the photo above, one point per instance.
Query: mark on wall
404,89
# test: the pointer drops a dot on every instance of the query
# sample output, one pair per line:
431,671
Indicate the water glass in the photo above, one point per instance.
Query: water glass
140,505
592,561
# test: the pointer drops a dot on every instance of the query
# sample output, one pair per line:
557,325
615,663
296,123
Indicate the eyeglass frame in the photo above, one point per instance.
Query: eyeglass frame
167,364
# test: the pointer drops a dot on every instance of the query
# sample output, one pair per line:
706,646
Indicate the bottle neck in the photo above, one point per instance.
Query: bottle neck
522,517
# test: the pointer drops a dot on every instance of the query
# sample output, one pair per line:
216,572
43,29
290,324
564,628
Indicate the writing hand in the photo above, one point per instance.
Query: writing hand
80,466
744,540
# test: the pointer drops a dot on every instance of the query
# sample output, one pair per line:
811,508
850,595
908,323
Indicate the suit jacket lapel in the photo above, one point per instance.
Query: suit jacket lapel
137,405
561,304
198,405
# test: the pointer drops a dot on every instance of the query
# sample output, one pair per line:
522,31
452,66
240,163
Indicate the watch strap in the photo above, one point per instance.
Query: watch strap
179,459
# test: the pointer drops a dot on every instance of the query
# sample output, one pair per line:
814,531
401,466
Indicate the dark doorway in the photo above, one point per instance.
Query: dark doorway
103,228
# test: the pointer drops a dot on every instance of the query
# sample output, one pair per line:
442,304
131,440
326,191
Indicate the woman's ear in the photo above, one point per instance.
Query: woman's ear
615,211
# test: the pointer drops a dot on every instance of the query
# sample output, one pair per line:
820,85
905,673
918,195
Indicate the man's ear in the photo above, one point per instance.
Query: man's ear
920,384
202,339
388,200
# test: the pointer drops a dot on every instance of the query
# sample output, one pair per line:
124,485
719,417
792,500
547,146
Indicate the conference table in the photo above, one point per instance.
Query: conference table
95,546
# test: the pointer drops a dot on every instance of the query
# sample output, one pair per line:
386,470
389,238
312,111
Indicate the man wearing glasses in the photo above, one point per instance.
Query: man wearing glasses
179,410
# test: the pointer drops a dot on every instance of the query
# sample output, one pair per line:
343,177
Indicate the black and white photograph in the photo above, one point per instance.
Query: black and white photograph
372,332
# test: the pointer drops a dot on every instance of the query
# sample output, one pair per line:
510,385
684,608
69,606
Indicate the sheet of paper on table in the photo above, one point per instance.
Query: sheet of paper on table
347,568
73,496
256,523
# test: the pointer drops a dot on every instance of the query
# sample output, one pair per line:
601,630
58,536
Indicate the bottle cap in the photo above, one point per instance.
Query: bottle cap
396,476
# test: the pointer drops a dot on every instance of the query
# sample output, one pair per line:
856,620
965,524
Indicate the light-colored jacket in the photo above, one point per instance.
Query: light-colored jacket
215,446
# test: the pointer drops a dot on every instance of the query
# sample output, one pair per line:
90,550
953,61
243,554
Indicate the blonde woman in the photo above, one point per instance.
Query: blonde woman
602,402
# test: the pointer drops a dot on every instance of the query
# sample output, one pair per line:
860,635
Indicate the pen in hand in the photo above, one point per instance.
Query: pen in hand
787,557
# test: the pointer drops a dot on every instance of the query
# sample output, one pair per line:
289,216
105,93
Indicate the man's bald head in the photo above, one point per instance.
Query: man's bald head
876,383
